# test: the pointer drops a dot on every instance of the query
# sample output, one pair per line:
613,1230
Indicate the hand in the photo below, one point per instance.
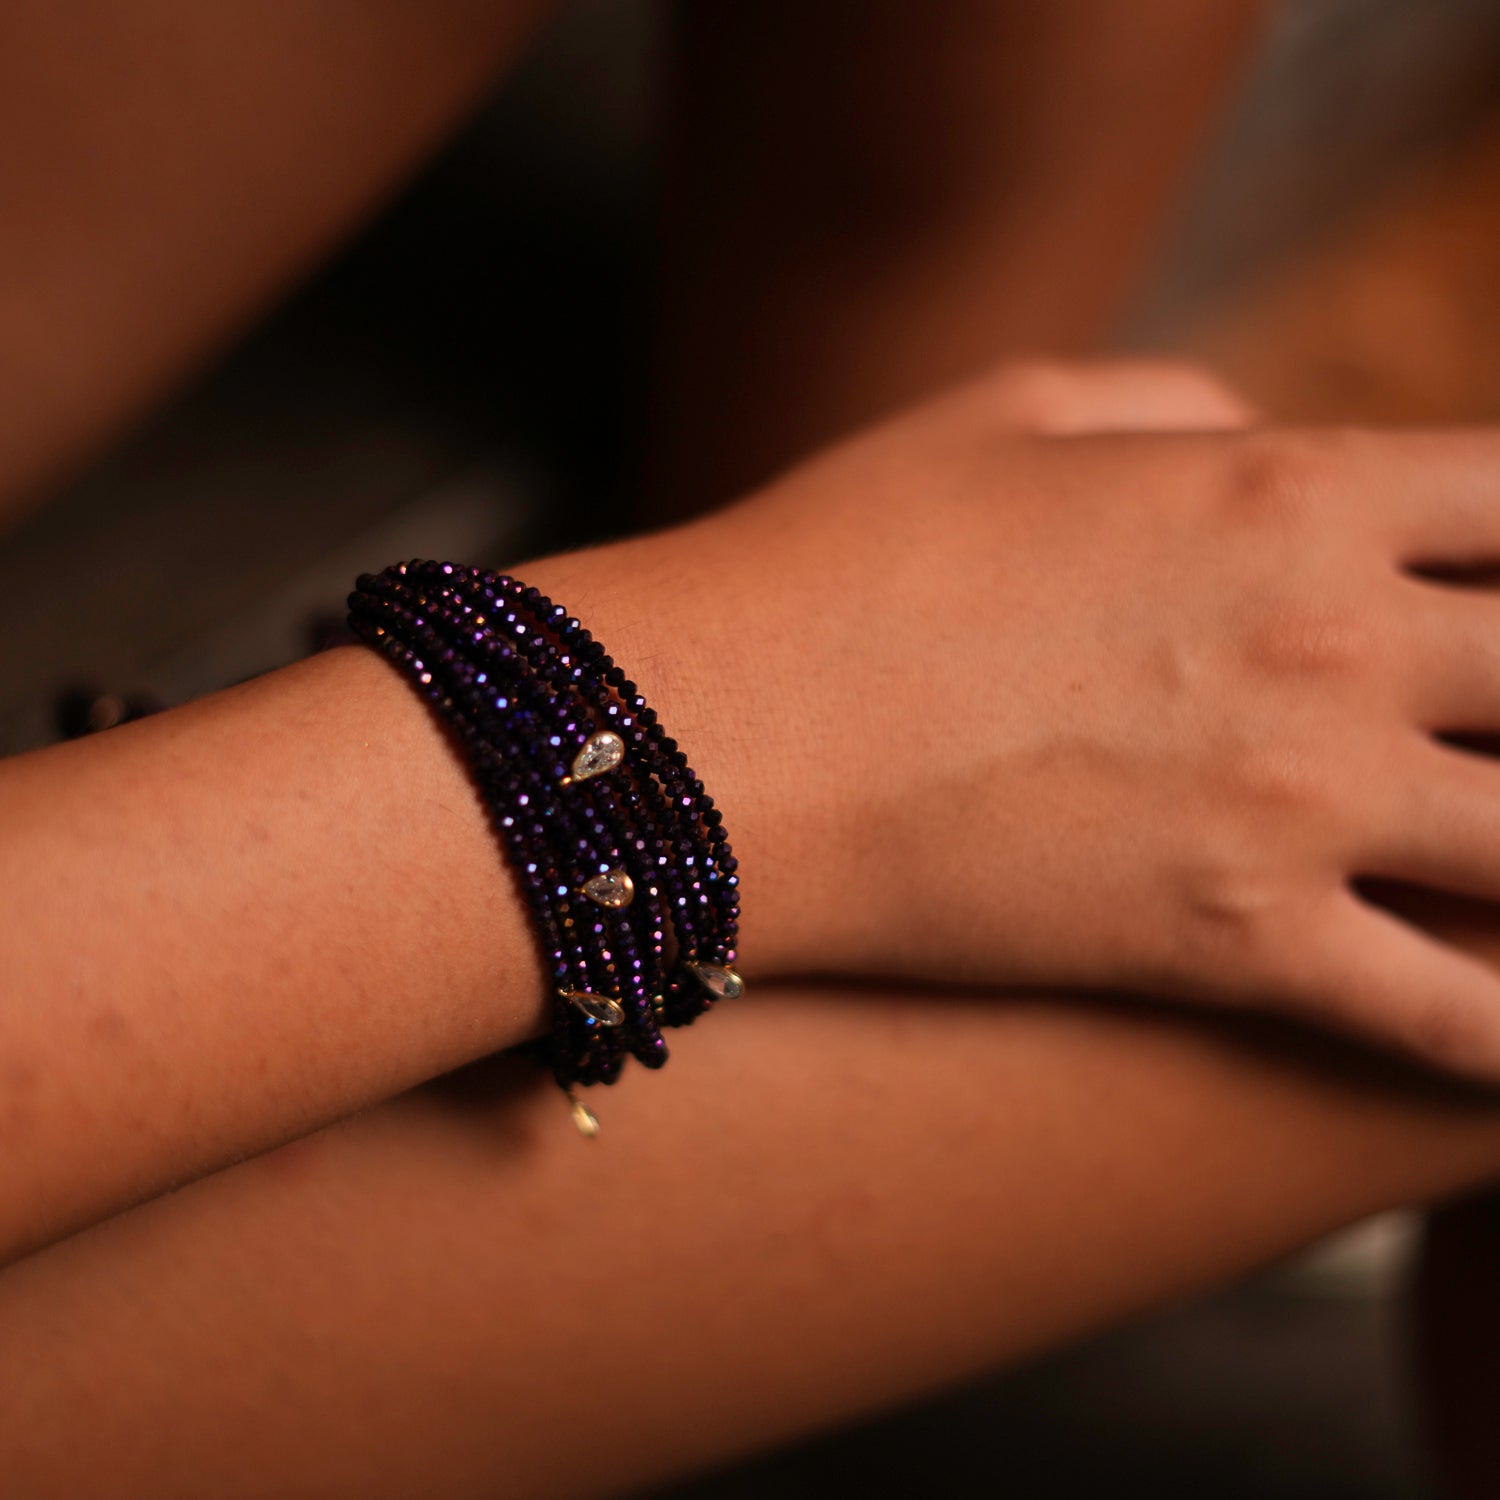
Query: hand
1128,711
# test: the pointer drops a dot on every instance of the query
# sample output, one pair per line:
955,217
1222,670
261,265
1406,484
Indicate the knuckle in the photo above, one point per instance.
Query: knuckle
1279,779
1231,913
1308,638
1280,480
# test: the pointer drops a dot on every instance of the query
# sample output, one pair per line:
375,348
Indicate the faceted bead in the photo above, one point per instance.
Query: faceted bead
598,1008
601,752
613,889
721,982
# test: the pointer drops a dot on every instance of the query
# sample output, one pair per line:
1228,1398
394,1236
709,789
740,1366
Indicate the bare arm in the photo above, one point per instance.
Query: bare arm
233,923
829,1202
167,169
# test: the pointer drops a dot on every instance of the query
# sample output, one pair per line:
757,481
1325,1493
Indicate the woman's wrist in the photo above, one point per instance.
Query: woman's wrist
620,851
672,610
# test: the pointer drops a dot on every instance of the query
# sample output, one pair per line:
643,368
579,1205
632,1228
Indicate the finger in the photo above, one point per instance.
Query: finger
1443,829
1371,975
1439,488
1454,668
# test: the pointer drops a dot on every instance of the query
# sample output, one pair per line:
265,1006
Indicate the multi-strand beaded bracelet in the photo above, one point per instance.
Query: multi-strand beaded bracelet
620,853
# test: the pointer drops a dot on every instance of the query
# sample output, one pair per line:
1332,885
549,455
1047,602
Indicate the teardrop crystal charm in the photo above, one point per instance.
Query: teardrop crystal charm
614,889
720,982
601,752
583,1117
598,1008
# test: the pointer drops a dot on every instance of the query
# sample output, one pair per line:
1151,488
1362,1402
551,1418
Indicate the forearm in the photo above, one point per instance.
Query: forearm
233,923
828,1202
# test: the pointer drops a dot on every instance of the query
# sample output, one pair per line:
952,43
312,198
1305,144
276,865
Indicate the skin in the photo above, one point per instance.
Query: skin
879,119
251,1024
427,1297
218,151
961,252
1206,701
825,1203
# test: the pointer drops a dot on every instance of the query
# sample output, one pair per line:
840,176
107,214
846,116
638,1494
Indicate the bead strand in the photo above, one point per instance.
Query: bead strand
589,1047
619,853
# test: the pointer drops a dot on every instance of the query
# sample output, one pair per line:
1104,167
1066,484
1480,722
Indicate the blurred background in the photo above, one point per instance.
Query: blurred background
467,379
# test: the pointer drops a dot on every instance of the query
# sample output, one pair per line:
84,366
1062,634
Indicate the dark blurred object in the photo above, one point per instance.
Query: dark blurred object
324,632
1283,1389
460,383
88,710
1458,1334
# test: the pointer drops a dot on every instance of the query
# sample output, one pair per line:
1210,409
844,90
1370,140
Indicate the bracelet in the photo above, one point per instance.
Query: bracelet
620,853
